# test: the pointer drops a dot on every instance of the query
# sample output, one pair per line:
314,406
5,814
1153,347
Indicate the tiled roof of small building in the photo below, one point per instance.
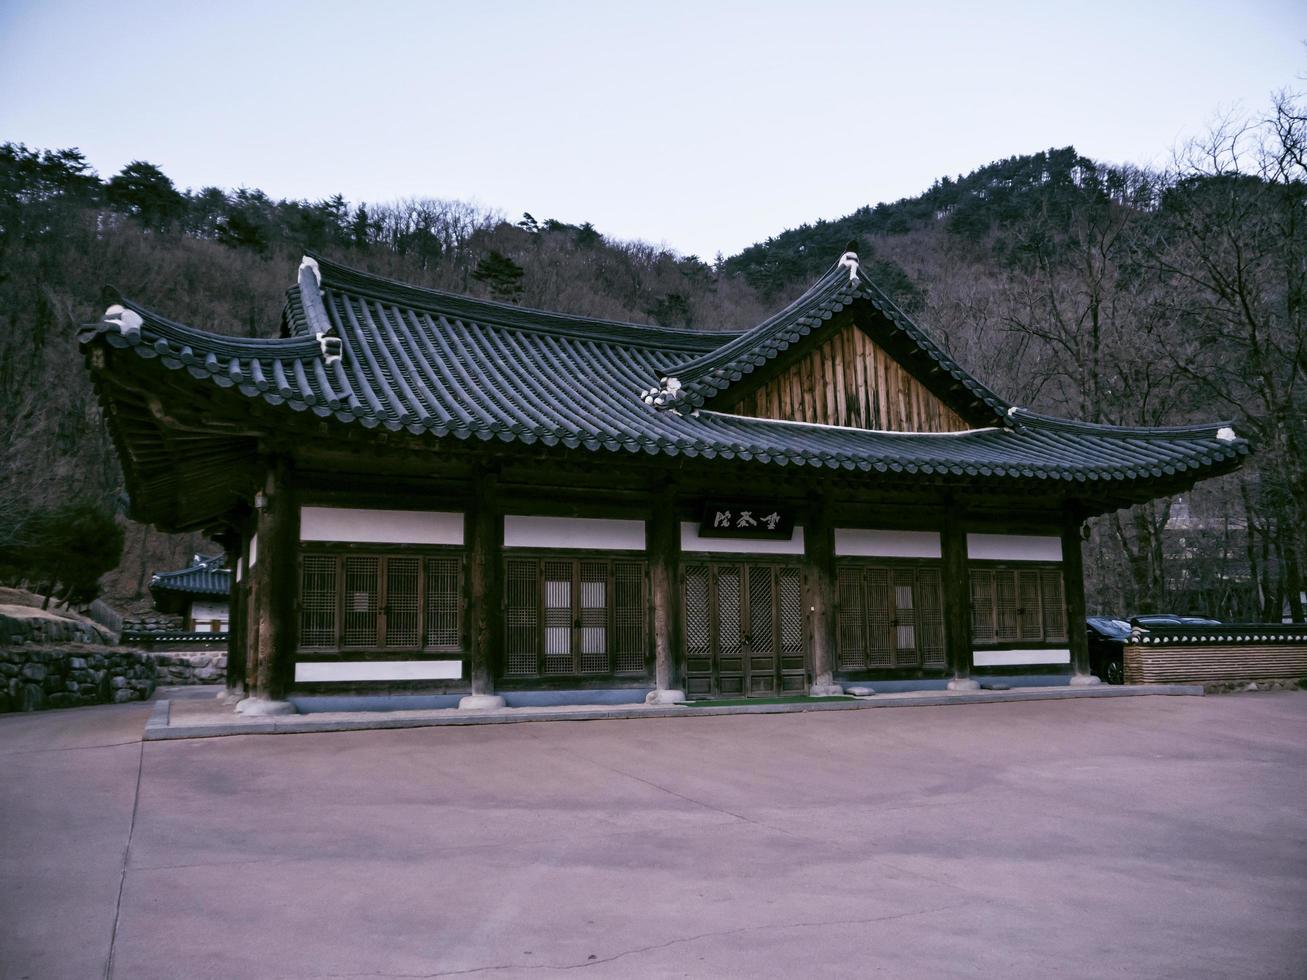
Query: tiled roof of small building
368,351
205,576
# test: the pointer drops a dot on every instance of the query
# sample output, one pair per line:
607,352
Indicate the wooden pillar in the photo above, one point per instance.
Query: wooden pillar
274,579
249,611
819,596
234,546
1073,585
484,533
664,551
957,604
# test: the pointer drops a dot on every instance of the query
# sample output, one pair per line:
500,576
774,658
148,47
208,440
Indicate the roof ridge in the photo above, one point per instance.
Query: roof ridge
182,333
1212,429
496,313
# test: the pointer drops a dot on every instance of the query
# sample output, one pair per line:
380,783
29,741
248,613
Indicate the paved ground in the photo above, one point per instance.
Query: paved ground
1139,837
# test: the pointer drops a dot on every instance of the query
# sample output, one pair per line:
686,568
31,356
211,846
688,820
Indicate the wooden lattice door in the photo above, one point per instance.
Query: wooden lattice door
743,630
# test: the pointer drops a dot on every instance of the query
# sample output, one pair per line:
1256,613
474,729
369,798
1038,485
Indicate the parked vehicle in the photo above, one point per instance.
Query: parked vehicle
1107,639
1170,619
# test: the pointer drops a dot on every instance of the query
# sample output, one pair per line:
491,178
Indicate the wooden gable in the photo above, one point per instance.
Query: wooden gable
850,380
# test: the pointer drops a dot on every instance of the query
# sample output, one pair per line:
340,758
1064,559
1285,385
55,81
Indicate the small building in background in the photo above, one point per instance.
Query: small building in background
199,594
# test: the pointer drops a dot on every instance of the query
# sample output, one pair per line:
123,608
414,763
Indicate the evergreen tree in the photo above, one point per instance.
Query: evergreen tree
502,275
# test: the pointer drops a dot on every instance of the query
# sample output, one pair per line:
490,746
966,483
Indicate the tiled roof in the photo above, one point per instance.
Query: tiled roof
205,576
372,352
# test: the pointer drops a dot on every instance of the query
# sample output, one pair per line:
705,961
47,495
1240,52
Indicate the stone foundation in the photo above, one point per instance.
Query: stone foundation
33,678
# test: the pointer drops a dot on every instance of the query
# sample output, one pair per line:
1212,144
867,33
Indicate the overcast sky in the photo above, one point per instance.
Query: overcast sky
703,126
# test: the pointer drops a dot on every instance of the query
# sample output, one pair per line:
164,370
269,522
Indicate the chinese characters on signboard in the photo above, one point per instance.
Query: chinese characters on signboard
746,519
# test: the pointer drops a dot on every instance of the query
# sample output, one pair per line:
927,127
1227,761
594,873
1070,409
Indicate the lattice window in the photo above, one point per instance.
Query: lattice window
521,618
382,602
1018,605
318,601
444,603
1005,606
592,615
905,619
629,635
930,618
557,607
1054,603
1028,612
851,620
761,627
698,619
403,606
880,617
730,637
982,606
791,588
362,580
889,616
586,616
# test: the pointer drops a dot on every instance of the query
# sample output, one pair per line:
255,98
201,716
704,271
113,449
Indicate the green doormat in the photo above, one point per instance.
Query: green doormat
733,702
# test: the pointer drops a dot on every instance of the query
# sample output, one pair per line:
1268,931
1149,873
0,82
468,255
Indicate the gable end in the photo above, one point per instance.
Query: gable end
845,378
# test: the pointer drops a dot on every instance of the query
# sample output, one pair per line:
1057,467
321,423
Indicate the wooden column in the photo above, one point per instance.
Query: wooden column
274,578
249,613
484,533
1073,585
957,604
664,551
234,546
819,595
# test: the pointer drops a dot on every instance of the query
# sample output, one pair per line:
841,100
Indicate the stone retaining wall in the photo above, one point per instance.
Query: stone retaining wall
201,667
66,675
21,625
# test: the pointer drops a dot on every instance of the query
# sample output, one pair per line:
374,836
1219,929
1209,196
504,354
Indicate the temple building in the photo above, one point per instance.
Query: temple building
198,594
425,493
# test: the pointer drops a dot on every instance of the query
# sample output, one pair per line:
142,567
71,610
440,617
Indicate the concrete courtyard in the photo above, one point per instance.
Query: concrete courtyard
1136,837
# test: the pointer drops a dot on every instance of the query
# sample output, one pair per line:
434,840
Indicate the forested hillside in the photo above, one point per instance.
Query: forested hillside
1072,287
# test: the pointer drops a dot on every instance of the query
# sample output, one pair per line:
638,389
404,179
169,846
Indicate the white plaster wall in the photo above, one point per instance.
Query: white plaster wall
366,526
861,542
691,541
1014,547
590,533
1015,658
203,613
380,670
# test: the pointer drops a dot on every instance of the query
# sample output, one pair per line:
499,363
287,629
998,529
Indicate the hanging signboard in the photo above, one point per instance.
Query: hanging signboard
747,519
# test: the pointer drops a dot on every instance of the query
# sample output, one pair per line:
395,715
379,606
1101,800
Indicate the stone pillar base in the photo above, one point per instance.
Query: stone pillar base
669,696
963,684
825,690
262,708
1084,680
231,695
482,702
